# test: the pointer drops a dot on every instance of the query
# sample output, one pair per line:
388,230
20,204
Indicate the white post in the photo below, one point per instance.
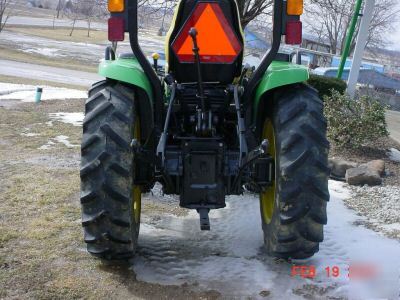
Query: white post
360,46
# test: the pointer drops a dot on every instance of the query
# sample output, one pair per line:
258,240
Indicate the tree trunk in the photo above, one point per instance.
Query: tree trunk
73,27
88,33
3,23
58,8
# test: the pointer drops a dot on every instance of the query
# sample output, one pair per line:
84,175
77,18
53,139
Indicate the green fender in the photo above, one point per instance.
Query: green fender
279,74
126,70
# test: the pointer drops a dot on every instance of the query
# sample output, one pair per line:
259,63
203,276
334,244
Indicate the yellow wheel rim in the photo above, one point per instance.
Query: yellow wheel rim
137,191
267,198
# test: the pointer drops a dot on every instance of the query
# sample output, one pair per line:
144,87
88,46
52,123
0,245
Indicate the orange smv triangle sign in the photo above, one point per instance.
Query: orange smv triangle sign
216,39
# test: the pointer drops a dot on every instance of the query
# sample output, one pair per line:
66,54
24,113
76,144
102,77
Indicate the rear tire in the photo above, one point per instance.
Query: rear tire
110,202
294,210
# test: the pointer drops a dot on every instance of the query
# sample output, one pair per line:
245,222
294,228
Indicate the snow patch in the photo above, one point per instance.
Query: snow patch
26,93
394,154
392,227
51,52
47,146
75,119
65,140
30,134
62,139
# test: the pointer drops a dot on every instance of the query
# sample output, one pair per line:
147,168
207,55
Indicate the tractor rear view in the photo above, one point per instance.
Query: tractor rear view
204,128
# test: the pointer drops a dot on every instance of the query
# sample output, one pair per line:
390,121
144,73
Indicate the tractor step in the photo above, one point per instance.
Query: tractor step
204,219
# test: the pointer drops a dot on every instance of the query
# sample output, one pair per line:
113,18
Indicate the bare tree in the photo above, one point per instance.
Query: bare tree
248,9
84,10
4,13
329,20
60,7
251,9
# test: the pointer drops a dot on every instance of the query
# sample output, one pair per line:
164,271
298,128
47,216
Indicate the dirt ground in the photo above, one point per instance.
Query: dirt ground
42,254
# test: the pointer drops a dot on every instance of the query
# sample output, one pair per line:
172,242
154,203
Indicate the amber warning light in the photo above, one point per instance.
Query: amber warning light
216,39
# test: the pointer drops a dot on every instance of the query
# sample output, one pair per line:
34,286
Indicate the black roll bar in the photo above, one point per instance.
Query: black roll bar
132,11
277,24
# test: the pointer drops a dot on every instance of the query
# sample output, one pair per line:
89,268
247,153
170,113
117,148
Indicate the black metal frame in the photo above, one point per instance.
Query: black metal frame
132,28
267,60
191,168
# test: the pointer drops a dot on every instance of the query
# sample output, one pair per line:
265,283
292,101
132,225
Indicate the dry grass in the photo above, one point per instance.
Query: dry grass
63,34
20,80
65,63
42,254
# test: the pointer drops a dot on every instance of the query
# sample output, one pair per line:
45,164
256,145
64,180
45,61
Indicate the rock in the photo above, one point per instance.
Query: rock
377,165
265,293
394,155
363,175
339,167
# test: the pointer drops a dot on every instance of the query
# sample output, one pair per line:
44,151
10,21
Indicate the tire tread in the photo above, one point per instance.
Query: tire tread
296,228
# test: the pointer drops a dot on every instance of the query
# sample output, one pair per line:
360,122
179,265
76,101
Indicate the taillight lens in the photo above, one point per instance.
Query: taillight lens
295,7
116,29
115,6
293,32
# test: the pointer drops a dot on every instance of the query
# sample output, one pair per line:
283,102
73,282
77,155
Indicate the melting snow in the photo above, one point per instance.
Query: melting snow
75,119
64,140
30,134
26,93
47,146
60,139
44,51
394,154
229,258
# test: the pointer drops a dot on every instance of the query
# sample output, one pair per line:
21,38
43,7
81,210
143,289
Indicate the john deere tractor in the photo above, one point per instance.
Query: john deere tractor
205,127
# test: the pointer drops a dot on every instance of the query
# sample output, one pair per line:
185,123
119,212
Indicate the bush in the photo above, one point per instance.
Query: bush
325,85
354,123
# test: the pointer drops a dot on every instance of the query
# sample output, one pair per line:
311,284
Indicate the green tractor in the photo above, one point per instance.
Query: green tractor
204,127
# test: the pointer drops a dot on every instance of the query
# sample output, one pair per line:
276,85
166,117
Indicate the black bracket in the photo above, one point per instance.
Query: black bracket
164,136
204,219
254,155
109,53
241,125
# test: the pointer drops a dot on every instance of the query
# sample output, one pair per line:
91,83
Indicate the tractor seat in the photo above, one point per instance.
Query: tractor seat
220,40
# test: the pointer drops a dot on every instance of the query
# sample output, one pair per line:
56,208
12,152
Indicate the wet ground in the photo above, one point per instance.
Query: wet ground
42,254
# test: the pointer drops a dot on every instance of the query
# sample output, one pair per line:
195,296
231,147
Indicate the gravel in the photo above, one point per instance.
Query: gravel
381,207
